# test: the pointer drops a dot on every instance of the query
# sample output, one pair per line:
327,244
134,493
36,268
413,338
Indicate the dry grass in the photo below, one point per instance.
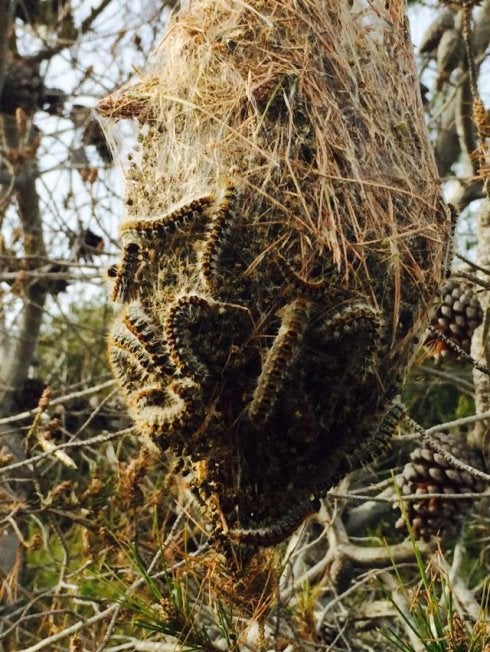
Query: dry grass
317,113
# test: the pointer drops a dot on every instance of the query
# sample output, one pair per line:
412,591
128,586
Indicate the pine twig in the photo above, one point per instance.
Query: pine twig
454,461
457,349
474,279
473,265
407,497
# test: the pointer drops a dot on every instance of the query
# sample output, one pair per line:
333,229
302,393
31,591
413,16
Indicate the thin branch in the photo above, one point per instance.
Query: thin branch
449,377
338,598
464,123
59,636
474,279
59,401
436,445
408,497
110,629
448,425
457,349
47,277
476,473
134,645
473,264
86,25
98,439
93,15
25,263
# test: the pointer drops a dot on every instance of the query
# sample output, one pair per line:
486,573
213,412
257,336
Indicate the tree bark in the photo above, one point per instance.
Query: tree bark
20,351
481,339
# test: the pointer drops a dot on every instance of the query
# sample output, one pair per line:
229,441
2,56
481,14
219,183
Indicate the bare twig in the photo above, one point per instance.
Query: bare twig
59,401
474,279
448,425
473,264
465,386
49,52
408,497
437,446
73,629
457,349
70,444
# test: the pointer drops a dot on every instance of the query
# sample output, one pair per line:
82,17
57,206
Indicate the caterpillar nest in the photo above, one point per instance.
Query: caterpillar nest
283,243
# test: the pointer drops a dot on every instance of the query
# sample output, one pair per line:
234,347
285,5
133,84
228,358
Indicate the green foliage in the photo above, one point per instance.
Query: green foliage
433,400
165,604
431,615
72,345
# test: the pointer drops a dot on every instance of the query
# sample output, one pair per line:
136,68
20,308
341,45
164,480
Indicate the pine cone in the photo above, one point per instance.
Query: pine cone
429,472
458,316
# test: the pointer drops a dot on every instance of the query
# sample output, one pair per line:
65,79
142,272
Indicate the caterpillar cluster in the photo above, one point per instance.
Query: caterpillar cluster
233,385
